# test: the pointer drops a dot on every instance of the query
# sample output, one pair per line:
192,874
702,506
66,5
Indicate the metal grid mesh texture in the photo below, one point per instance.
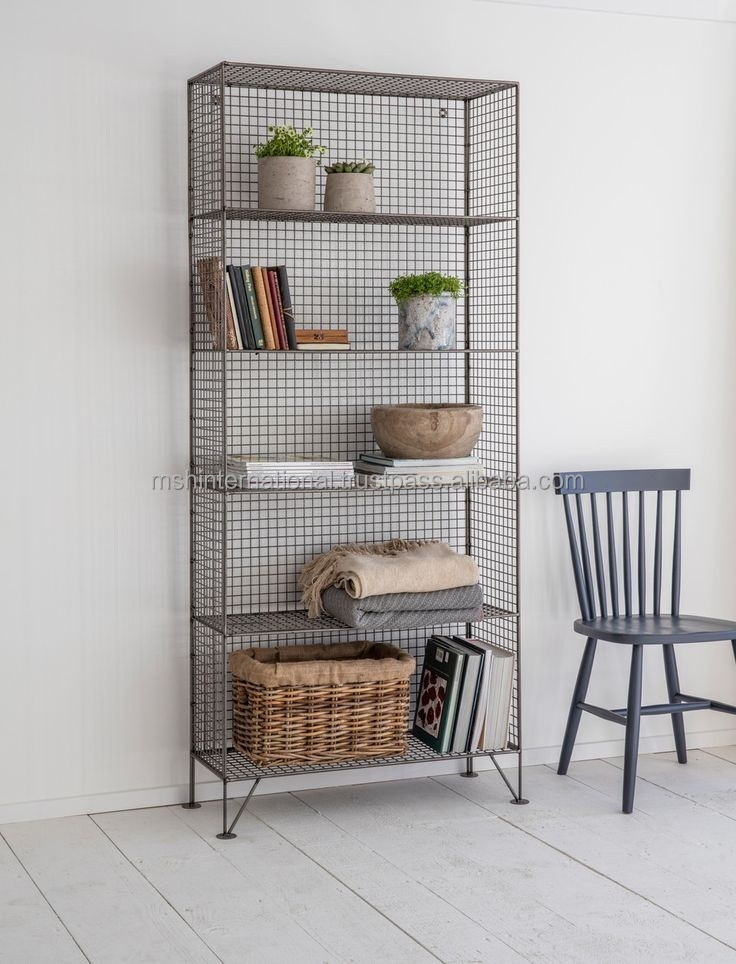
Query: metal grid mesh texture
213,710
438,159
417,142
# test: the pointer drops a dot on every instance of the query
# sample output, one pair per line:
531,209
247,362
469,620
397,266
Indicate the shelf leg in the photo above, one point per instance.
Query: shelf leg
469,771
191,804
517,797
227,832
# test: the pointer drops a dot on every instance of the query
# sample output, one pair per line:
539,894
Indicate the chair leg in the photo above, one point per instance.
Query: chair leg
633,718
578,696
673,688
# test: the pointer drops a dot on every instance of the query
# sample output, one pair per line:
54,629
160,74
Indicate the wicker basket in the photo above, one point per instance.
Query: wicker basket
320,704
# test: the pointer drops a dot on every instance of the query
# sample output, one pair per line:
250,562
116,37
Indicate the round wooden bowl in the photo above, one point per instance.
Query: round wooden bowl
427,431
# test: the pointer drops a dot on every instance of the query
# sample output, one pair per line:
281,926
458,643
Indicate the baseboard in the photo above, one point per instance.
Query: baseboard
210,789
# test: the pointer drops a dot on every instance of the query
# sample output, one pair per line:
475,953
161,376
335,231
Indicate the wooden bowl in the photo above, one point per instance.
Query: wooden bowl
429,431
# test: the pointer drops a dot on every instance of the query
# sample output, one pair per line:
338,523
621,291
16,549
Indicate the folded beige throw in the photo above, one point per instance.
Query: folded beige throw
385,567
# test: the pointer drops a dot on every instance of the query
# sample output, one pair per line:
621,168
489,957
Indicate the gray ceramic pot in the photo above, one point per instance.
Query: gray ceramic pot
350,192
286,183
427,321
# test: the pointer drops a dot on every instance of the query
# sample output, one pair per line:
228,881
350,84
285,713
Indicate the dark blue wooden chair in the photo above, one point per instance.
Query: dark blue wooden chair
629,621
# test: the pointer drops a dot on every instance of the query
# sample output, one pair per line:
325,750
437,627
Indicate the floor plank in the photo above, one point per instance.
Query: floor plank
446,931
111,911
669,851
29,929
298,889
237,916
706,779
539,901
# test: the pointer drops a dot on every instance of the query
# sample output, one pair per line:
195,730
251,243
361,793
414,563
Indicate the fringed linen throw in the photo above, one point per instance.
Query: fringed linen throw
397,566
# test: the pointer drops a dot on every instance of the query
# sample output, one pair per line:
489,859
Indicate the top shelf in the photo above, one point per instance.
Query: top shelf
270,76
435,220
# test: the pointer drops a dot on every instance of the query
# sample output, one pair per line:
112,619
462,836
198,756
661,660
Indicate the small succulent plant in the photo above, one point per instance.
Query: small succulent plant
285,141
351,167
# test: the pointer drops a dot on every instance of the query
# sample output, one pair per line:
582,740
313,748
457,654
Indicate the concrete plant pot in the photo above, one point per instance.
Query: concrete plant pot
350,192
428,322
286,183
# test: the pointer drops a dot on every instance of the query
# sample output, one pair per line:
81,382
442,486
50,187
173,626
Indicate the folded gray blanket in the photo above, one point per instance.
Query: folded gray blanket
405,610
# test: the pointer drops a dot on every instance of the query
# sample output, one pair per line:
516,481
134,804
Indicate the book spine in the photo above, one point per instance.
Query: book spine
287,308
231,306
271,310
273,284
255,318
232,275
245,313
272,342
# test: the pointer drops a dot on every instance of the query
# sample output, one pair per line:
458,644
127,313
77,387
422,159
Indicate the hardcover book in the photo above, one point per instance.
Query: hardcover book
306,336
287,308
269,335
269,277
232,276
437,699
253,312
231,304
493,709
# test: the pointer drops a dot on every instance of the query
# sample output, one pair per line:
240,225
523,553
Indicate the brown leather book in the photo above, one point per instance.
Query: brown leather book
335,336
271,309
273,281
268,332
212,281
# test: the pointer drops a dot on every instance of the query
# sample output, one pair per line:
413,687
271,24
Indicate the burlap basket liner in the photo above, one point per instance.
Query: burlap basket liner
320,703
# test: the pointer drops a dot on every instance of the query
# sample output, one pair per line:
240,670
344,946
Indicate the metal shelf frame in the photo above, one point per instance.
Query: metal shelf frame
447,160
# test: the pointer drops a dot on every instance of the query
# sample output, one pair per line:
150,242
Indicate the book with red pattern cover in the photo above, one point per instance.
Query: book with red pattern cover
439,690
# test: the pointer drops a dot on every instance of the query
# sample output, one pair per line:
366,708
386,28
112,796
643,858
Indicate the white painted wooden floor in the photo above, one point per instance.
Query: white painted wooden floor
417,870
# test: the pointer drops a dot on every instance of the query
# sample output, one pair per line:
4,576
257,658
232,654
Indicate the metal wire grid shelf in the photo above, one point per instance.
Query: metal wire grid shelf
446,154
431,220
238,767
297,621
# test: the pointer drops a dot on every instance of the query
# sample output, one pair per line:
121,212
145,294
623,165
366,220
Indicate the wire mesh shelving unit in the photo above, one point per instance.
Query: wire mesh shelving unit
447,155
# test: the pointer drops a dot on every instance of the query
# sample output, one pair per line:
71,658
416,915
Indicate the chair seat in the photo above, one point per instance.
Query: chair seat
656,629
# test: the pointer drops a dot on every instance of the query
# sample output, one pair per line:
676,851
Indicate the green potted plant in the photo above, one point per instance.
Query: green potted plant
349,187
427,310
287,169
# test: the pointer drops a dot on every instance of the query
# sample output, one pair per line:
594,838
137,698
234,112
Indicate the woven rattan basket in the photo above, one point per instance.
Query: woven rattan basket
320,704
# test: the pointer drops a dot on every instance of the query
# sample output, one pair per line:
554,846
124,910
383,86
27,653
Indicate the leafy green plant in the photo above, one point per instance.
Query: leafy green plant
431,283
351,167
286,141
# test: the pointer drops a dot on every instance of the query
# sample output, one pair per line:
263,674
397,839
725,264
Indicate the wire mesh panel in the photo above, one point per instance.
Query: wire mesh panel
446,154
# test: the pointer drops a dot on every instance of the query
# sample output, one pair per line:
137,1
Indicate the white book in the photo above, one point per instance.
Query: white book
378,458
493,710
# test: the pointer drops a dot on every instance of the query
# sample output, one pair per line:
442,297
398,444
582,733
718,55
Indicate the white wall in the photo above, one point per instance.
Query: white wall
629,344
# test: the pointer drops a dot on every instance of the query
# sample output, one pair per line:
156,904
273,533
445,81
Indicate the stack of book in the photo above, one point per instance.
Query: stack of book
322,339
464,700
259,313
379,469
247,472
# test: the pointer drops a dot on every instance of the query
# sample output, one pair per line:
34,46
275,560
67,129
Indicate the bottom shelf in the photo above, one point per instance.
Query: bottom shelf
240,767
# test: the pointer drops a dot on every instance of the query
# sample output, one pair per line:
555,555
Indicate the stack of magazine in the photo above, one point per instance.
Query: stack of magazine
464,699
382,470
246,472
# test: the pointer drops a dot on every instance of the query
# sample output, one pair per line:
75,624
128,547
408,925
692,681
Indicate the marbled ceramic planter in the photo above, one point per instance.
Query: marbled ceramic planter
427,322
286,183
